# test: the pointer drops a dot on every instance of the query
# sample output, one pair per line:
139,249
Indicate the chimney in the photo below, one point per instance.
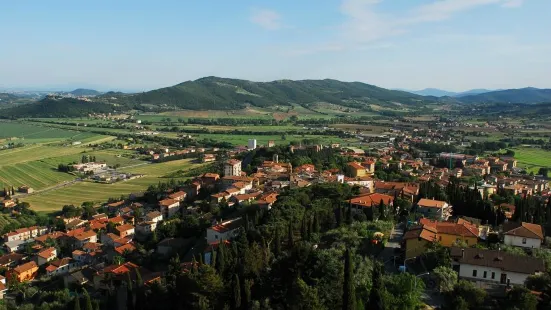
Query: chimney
462,253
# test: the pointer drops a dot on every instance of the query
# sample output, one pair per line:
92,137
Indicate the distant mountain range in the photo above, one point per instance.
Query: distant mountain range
444,93
214,93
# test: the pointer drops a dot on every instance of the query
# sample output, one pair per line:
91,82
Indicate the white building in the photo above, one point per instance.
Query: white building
493,266
251,145
526,235
434,209
224,231
232,167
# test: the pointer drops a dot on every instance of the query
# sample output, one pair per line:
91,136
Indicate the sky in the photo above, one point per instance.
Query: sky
140,45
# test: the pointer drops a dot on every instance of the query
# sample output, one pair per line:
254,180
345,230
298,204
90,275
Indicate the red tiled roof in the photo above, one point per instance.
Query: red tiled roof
125,247
47,253
525,230
25,267
371,200
167,202
125,227
431,203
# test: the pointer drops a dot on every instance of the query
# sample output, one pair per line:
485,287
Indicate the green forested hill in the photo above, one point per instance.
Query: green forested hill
222,93
522,95
57,107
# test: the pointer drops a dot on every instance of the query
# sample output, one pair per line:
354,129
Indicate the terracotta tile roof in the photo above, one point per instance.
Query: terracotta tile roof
74,232
125,247
25,267
355,165
176,195
431,203
371,200
233,162
85,235
125,227
92,246
47,253
525,230
228,225
9,258
426,233
498,259
153,215
116,220
167,202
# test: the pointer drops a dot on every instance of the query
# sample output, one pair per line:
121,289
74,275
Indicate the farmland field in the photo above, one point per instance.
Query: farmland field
532,158
79,192
27,133
36,174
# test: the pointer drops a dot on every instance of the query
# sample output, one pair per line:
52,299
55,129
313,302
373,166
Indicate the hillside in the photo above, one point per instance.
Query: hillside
444,93
85,92
52,106
522,95
226,94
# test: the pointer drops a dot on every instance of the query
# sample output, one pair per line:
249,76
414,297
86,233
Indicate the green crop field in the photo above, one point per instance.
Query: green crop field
35,152
533,158
110,157
80,192
36,174
17,221
32,133
263,139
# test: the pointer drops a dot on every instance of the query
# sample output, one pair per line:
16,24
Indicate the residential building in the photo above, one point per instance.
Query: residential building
25,233
146,228
232,168
356,170
7,203
84,237
178,196
3,287
225,230
25,272
11,260
169,207
46,255
154,216
434,209
526,235
61,266
359,203
494,266
125,230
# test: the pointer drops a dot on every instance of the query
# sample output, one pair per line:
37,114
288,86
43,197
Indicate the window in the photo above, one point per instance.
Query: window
484,275
216,236
493,275
474,273
523,240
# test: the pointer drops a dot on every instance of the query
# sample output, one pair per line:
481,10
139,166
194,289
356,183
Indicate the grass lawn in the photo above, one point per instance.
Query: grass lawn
33,133
532,158
77,193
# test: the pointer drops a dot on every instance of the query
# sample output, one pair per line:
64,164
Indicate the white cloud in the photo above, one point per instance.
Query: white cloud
267,19
512,3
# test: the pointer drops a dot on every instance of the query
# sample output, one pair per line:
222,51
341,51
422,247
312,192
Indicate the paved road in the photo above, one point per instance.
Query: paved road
388,253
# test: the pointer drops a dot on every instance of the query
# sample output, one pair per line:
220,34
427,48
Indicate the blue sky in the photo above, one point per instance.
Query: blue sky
411,44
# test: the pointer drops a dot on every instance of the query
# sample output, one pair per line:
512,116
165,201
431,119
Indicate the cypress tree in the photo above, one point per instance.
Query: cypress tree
316,224
376,294
340,217
236,292
303,230
77,303
277,243
246,299
87,300
221,257
290,242
349,296
349,215
382,211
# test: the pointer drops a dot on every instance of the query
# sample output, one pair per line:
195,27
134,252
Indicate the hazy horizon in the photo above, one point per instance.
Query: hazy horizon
453,45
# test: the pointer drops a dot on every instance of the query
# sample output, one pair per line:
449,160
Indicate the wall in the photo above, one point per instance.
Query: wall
415,247
449,240
466,271
517,241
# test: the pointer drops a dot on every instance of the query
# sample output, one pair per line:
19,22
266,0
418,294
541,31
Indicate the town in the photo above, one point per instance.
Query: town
481,218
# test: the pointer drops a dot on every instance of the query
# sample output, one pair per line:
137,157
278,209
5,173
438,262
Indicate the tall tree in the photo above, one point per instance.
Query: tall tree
87,300
377,289
277,243
236,292
76,305
349,295
290,241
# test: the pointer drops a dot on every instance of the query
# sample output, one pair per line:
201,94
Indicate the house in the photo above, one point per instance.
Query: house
356,170
3,287
125,230
225,230
169,207
434,209
84,237
526,235
125,248
494,266
7,203
11,260
46,255
61,266
25,189
154,216
232,167
178,196
266,200
416,240
120,273
206,158
169,246
146,228
25,272
25,233
117,220
361,202
448,234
